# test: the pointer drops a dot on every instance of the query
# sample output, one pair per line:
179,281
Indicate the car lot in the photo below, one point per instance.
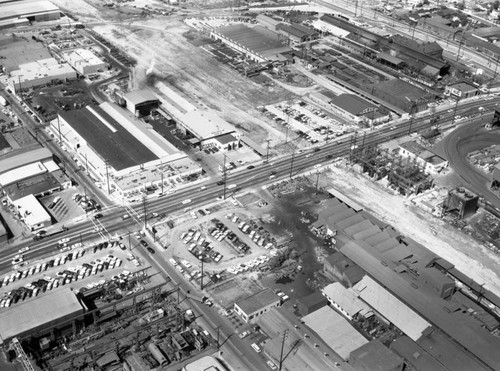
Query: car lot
77,267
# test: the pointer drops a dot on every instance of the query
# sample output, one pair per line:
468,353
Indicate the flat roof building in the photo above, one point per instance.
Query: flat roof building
374,356
253,306
345,301
32,10
84,61
335,331
206,363
39,314
415,356
311,303
24,158
391,308
40,72
141,102
257,43
32,213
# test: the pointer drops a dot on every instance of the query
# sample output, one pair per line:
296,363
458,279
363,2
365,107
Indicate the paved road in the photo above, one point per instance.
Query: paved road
458,144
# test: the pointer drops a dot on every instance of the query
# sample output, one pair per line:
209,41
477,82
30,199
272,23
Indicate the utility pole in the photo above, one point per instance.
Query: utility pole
224,175
161,182
283,338
317,180
107,175
412,115
178,293
291,163
59,129
218,334
267,153
145,211
455,110
201,279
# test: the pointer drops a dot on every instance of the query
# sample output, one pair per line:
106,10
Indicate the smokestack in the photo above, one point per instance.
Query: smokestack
131,80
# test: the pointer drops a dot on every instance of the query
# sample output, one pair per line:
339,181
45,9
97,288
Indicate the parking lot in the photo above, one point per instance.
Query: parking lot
75,265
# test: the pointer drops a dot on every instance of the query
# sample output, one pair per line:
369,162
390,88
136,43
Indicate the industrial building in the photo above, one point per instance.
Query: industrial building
141,102
357,109
346,301
374,356
415,356
113,144
256,43
429,161
296,33
32,213
32,172
253,306
342,269
311,303
26,318
337,333
38,73
11,13
84,61
206,363
462,90
461,202
391,308
205,127
476,345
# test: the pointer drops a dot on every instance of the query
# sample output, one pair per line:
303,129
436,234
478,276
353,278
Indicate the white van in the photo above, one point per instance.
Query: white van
187,201
256,348
231,186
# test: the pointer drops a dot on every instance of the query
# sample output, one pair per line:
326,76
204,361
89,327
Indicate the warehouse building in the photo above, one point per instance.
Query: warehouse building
32,213
357,109
122,150
41,72
257,43
39,315
84,61
337,333
374,356
253,306
28,10
141,102
296,32
346,301
462,90
428,161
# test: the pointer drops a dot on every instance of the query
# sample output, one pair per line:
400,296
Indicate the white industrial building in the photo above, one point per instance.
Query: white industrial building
207,128
32,213
31,10
38,73
84,61
118,148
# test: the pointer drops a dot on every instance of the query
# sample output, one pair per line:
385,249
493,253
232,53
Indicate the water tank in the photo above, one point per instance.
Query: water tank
156,352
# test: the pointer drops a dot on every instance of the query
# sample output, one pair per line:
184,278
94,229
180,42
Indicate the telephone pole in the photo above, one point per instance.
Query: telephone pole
224,175
267,153
201,279
291,163
107,175
283,338
145,211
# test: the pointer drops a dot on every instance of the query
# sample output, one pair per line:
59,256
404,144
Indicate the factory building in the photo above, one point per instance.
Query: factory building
375,356
84,61
357,109
16,12
257,43
255,305
296,32
32,213
127,155
38,73
31,173
462,90
461,202
429,161
141,102
25,318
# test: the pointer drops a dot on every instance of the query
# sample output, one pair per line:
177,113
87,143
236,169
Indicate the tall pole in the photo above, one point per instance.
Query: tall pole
178,293
496,67
201,279
224,175
317,180
267,153
161,182
284,337
291,163
218,332
59,129
145,212
107,175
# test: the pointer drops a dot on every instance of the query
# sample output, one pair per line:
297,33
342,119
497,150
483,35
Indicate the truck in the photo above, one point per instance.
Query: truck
231,186
3,101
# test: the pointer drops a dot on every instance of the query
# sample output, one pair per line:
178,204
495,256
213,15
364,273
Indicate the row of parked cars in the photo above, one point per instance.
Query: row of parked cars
183,267
222,232
244,267
258,235
199,246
